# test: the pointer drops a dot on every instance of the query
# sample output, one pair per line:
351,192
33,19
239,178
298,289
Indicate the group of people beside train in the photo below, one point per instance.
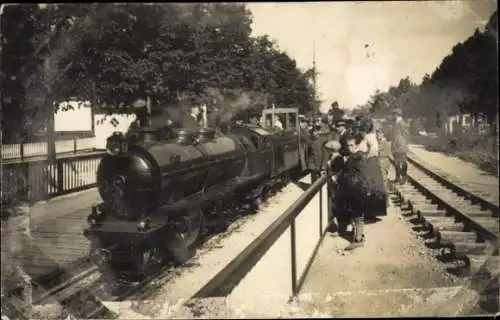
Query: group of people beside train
355,153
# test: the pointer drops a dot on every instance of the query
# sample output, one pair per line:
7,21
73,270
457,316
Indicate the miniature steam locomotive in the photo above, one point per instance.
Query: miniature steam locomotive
158,194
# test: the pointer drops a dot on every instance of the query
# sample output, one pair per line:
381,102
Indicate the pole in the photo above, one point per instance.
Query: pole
314,76
204,114
49,111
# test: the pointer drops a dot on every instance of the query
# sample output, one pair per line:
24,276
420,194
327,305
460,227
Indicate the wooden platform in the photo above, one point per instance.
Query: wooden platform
56,241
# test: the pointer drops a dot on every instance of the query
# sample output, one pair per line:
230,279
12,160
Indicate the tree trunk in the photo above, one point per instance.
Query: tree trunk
49,112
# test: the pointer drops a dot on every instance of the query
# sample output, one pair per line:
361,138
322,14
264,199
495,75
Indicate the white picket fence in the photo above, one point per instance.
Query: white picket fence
13,151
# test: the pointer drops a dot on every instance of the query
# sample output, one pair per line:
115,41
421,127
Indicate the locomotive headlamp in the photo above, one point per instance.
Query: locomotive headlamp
116,144
143,225
96,216
97,209
92,220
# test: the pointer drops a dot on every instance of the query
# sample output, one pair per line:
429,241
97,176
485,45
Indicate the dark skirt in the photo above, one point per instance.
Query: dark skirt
376,200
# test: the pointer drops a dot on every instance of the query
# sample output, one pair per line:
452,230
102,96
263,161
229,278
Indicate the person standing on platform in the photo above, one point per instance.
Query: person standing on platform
377,194
384,151
317,153
337,150
399,145
307,142
352,192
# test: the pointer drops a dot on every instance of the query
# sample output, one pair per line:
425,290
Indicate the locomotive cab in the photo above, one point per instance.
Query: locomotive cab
286,141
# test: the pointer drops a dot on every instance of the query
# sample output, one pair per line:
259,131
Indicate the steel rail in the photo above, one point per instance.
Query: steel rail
447,180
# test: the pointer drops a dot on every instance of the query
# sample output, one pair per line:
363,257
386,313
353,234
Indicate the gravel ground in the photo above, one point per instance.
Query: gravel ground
167,301
395,274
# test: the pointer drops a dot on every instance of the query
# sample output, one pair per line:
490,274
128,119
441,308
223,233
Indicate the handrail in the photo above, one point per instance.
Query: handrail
26,150
228,278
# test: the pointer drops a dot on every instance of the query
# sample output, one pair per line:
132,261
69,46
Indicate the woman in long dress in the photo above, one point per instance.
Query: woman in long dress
371,169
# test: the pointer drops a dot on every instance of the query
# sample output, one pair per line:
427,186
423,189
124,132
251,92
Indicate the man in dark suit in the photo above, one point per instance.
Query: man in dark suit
399,145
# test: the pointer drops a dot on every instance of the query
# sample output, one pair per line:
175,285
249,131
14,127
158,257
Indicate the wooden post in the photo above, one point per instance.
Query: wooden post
21,149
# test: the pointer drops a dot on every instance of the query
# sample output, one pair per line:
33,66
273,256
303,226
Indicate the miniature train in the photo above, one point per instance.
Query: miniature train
158,194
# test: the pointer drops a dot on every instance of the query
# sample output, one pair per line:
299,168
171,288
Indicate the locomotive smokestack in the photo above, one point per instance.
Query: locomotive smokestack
205,134
149,134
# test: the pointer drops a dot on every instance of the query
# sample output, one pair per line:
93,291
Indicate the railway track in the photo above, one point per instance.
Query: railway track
463,224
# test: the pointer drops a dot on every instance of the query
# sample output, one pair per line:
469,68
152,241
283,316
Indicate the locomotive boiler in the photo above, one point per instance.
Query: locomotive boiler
156,193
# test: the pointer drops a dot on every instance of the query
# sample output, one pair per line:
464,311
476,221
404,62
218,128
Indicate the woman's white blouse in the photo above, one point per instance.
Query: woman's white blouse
369,145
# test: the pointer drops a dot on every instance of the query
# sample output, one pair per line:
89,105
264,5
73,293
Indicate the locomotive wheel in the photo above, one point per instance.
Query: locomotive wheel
182,243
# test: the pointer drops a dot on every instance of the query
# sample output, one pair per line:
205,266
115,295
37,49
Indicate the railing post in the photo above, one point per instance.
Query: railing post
21,150
25,180
74,145
320,212
60,175
293,257
329,194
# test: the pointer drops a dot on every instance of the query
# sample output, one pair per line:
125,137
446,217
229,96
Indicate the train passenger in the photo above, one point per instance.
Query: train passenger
351,193
278,124
326,133
377,194
192,120
399,145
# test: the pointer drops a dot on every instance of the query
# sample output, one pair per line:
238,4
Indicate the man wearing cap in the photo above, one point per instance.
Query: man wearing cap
399,145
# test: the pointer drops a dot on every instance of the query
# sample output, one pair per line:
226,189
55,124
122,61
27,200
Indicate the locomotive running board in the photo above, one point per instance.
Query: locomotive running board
213,193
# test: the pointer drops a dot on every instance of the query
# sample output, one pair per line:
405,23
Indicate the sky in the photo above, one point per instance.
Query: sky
362,46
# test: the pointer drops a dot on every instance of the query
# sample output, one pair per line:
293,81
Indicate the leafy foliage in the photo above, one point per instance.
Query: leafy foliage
175,54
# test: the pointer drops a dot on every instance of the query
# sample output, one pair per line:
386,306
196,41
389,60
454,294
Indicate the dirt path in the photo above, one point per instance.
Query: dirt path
395,274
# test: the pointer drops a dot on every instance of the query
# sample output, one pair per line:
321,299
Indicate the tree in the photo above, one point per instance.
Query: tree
176,55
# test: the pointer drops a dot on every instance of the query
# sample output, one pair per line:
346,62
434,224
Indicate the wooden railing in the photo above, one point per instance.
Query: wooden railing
23,151
36,180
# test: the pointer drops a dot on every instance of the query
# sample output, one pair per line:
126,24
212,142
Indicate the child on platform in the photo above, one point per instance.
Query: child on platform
353,188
